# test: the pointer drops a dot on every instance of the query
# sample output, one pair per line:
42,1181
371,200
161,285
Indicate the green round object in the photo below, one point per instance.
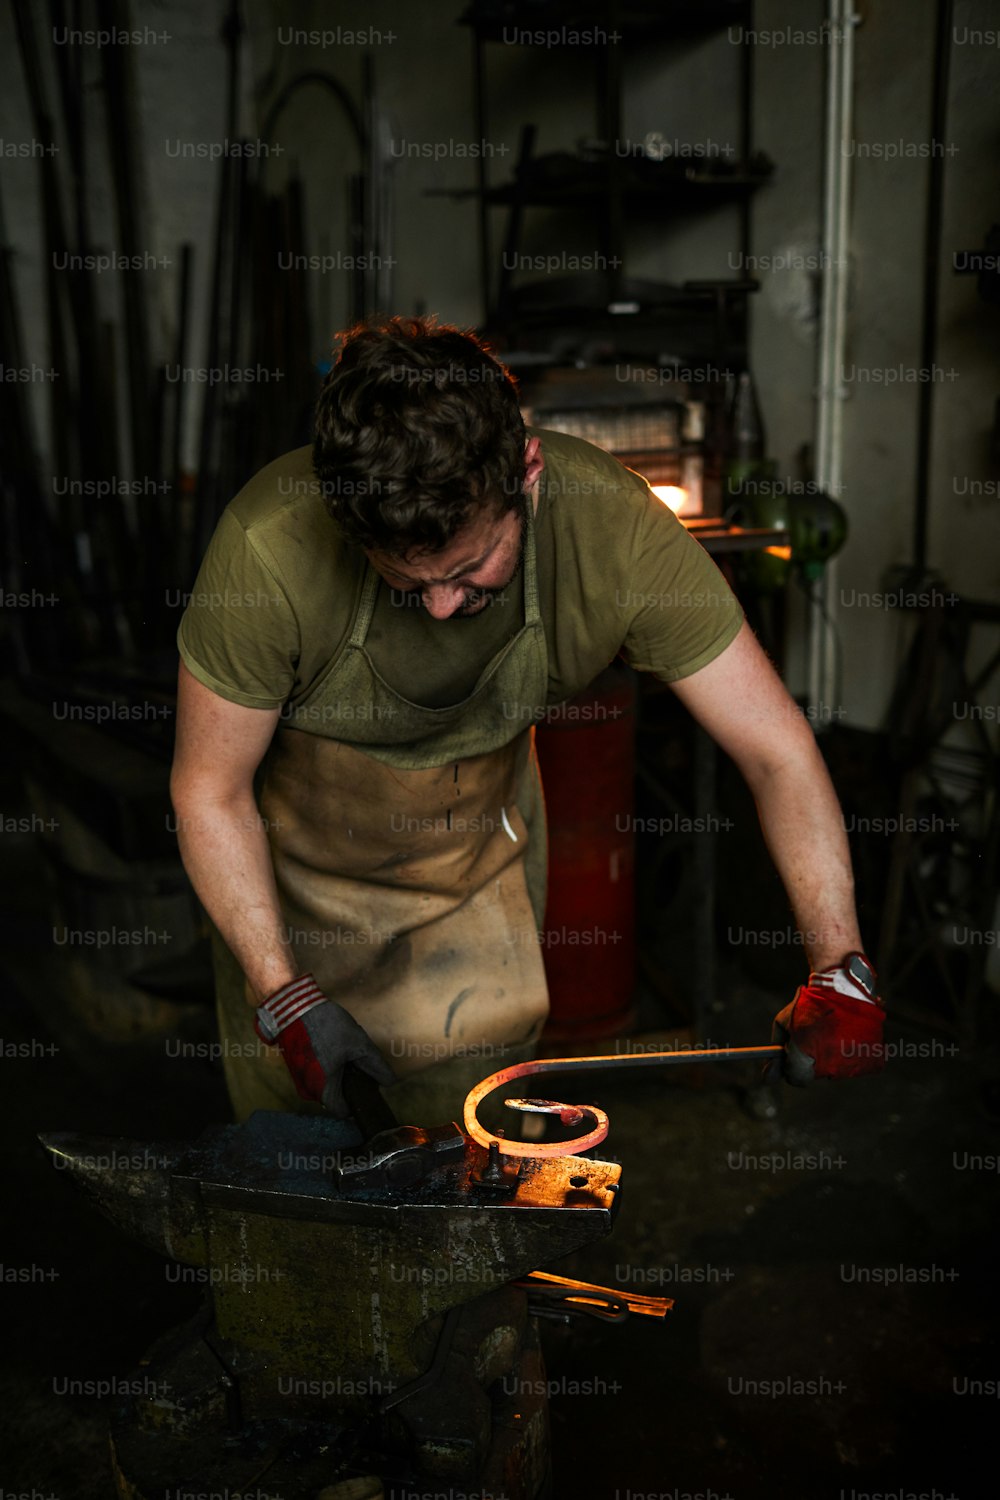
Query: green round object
817,529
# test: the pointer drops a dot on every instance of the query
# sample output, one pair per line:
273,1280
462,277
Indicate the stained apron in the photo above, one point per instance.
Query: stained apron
411,867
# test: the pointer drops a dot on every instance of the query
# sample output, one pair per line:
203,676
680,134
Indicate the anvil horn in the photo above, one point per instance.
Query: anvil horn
129,1181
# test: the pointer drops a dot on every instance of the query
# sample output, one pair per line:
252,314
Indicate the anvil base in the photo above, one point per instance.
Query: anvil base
481,1428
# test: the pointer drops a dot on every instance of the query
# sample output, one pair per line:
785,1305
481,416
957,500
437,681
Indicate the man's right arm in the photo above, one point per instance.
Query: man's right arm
222,838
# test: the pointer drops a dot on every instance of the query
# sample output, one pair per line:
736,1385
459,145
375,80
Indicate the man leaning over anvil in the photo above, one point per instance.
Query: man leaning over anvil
378,622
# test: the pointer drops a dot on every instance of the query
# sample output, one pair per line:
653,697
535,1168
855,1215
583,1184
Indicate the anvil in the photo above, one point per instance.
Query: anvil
358,1292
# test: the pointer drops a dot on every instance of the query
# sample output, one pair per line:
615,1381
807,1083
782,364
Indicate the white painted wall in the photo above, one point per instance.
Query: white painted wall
893,99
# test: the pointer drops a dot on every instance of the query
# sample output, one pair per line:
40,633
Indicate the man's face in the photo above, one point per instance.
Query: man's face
465,577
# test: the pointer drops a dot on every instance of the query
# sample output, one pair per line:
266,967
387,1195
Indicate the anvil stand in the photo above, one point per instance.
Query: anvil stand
360,1317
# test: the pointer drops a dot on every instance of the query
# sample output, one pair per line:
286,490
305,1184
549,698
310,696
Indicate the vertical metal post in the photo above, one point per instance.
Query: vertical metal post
842,20
482,169
932,272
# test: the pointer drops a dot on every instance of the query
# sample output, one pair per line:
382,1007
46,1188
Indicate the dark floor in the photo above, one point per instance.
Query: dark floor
834,1267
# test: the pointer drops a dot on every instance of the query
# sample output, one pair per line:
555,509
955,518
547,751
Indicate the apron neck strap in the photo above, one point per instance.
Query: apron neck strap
366,606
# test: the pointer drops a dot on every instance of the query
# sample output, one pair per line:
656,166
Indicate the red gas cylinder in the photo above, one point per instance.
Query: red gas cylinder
586,751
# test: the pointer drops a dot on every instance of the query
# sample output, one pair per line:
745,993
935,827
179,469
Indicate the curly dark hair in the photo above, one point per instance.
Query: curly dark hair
417,425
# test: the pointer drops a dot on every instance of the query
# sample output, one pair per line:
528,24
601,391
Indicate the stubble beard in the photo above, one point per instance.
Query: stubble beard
478,600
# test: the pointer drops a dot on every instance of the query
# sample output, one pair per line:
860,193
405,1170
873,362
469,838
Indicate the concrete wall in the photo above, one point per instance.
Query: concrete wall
965,509
894,52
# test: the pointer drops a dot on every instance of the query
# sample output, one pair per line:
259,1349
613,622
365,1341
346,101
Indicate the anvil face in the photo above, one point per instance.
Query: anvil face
314,1167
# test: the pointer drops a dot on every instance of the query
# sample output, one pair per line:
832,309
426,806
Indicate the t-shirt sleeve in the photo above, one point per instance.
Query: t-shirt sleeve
239,634
682,613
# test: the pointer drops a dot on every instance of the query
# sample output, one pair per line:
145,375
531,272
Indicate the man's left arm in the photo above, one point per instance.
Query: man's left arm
742,703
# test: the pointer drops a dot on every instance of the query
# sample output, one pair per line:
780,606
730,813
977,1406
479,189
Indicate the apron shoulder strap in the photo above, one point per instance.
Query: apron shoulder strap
366,606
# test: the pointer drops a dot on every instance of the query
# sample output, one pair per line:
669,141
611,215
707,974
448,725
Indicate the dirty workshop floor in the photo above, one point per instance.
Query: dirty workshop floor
833,1267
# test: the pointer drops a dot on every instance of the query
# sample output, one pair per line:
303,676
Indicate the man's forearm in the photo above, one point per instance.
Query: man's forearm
804,830
226,854
742,703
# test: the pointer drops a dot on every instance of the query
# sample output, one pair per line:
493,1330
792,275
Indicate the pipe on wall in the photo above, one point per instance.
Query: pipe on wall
841,20
932,272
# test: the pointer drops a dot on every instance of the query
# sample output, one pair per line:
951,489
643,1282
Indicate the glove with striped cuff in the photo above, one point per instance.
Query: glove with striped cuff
318,1039
833,1026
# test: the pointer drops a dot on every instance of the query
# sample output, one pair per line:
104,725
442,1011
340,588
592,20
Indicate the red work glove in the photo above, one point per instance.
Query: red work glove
832,1028
318,1039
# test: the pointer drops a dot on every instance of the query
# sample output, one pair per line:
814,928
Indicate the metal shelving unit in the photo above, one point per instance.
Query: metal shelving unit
614,188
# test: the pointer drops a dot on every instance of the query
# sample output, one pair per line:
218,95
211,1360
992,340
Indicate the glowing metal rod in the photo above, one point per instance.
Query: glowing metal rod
573,1114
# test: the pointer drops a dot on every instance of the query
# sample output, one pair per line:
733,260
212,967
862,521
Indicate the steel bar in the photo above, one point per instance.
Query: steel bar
585,1296
842,20
929,322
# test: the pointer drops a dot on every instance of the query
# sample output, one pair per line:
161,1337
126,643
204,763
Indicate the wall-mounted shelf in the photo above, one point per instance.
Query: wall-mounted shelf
648,182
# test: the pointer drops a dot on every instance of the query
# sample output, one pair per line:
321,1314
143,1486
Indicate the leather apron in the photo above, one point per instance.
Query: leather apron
403,861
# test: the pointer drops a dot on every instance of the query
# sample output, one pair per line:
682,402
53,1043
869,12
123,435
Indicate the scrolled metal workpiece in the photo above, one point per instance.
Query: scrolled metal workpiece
572,1114
569,1114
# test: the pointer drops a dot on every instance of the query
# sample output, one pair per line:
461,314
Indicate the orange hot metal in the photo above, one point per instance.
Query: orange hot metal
572,1113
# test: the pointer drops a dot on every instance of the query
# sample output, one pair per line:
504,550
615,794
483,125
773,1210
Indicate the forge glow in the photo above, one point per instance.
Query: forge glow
672,495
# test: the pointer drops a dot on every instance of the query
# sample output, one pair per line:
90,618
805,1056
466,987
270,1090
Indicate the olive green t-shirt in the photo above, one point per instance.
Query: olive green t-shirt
277,591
